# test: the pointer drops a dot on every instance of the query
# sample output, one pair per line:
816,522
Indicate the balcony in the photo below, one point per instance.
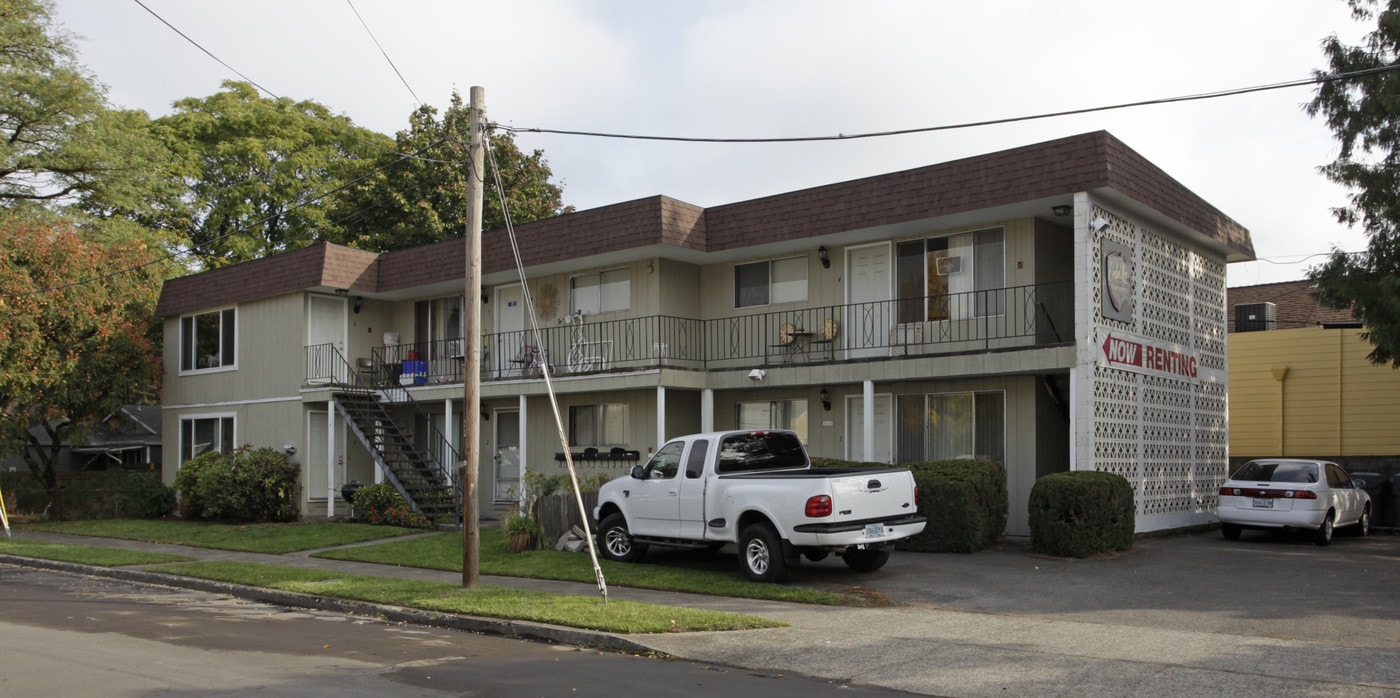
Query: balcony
1000,319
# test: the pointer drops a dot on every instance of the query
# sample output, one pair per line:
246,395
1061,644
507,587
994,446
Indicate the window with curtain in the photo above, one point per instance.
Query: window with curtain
776,414
948,426
603,292
438,326
207,340
602,425
770,282
952,277
203,434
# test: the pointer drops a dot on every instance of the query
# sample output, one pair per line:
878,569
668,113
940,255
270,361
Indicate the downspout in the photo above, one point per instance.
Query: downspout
1280,373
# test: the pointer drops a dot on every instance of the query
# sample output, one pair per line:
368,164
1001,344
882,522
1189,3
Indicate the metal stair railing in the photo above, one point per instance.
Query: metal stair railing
388,439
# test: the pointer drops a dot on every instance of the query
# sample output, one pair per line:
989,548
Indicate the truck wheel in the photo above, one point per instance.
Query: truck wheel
616,543
761,554
867,560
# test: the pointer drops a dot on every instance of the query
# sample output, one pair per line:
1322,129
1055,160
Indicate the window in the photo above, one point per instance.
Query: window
778,414
207,340
604,292
201,434
598,425
439,320
949,426
952,277
667,461
770,282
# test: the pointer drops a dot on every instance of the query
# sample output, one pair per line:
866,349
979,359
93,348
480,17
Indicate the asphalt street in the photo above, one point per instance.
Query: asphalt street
1188,614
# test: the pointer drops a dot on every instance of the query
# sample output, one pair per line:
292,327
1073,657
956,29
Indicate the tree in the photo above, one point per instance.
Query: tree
419,194
59,143
78,336
262,175
1363,114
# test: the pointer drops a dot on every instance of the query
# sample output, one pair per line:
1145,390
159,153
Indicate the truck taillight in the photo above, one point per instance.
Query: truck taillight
916,496
818,506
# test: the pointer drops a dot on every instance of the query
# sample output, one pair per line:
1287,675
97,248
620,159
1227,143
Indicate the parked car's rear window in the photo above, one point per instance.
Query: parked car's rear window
1266,471
765,450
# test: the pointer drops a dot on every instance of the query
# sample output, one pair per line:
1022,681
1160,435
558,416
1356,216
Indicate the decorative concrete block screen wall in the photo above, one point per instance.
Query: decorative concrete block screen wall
1150,383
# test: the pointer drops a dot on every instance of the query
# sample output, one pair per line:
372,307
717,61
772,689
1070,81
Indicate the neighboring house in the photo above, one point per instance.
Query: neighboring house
129,439
1059,306
1300,383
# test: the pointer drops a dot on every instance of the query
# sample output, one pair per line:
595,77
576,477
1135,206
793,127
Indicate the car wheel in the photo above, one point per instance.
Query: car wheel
1324,532
761,554
1363,524
1230,531
867,560
616,542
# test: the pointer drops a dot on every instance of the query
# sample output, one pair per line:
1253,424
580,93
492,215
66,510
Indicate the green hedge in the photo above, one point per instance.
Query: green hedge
966,505
1082,513
121,494
965,501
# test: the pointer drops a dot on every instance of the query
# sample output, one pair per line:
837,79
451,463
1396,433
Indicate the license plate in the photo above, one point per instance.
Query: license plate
874,530
1263,503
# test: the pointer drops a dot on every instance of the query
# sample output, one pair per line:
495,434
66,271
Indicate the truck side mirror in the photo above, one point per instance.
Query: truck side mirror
639,472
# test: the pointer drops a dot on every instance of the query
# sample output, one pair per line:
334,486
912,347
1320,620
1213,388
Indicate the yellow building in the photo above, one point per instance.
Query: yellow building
1301,385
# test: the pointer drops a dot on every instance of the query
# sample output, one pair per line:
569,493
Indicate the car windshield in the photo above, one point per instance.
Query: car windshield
761,450
1270,471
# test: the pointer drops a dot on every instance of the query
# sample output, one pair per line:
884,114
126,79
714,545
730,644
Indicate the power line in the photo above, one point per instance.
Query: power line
206,51
1315,80
383,52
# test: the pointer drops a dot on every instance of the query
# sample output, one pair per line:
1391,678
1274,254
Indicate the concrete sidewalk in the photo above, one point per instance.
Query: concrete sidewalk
1188,615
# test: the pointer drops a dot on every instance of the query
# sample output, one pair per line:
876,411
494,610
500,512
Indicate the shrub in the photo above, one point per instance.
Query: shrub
965,502
1082,513
99,495
382,505
246,485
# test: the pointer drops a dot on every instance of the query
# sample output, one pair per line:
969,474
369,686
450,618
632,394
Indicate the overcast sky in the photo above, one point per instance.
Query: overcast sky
779,68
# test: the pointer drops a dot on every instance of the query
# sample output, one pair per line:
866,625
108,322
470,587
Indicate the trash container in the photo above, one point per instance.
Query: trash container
1374,483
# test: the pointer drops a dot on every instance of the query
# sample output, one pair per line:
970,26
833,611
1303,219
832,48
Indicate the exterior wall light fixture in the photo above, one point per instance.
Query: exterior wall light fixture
822,255
826,399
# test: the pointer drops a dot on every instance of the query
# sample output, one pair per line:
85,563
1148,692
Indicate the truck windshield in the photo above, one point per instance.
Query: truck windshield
762,450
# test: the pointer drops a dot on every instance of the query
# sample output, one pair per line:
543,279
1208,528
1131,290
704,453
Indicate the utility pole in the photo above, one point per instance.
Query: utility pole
471,373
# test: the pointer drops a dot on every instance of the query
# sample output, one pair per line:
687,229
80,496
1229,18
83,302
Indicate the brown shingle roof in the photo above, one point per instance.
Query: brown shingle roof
1088,162
1295,305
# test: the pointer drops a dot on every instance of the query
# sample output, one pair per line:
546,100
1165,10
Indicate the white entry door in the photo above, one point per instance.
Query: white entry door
506,461
324,466
510,330
325,338
868,315
855,428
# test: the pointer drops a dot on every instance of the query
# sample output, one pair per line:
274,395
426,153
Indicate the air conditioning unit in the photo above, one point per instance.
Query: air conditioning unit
1256,317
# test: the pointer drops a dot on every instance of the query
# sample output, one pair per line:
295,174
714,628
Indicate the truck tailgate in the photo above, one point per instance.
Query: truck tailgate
872,494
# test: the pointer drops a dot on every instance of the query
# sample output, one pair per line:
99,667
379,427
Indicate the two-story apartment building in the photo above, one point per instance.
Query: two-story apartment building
1056,306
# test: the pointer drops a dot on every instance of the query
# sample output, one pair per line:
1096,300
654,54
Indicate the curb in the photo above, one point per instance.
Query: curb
524,630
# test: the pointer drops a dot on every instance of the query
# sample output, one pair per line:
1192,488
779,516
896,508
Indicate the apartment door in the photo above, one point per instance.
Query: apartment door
325,467
506,461
868,313
325,339
855,428
510,330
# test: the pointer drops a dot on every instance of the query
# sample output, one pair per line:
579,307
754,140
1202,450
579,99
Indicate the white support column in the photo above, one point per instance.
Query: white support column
660,414
330,459
868,420
450,430
524,443
707,410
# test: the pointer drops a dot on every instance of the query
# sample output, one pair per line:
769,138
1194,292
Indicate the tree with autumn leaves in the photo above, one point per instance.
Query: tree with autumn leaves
78,335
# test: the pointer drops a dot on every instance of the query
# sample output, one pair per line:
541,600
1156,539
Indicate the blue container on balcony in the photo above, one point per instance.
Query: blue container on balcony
415,371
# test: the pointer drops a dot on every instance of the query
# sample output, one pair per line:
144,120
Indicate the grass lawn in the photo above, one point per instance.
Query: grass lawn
690,572
588,612
96,556
271,538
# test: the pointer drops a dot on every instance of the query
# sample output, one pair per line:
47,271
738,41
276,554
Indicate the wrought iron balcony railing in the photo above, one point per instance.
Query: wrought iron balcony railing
1004,318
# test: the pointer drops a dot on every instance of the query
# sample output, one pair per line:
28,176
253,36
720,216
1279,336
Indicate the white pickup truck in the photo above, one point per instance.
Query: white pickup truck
756,489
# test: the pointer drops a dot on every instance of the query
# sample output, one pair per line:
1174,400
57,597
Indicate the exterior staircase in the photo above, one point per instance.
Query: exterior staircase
424,484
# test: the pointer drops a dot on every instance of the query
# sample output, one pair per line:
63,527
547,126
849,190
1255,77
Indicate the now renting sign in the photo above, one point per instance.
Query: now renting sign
1138,354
